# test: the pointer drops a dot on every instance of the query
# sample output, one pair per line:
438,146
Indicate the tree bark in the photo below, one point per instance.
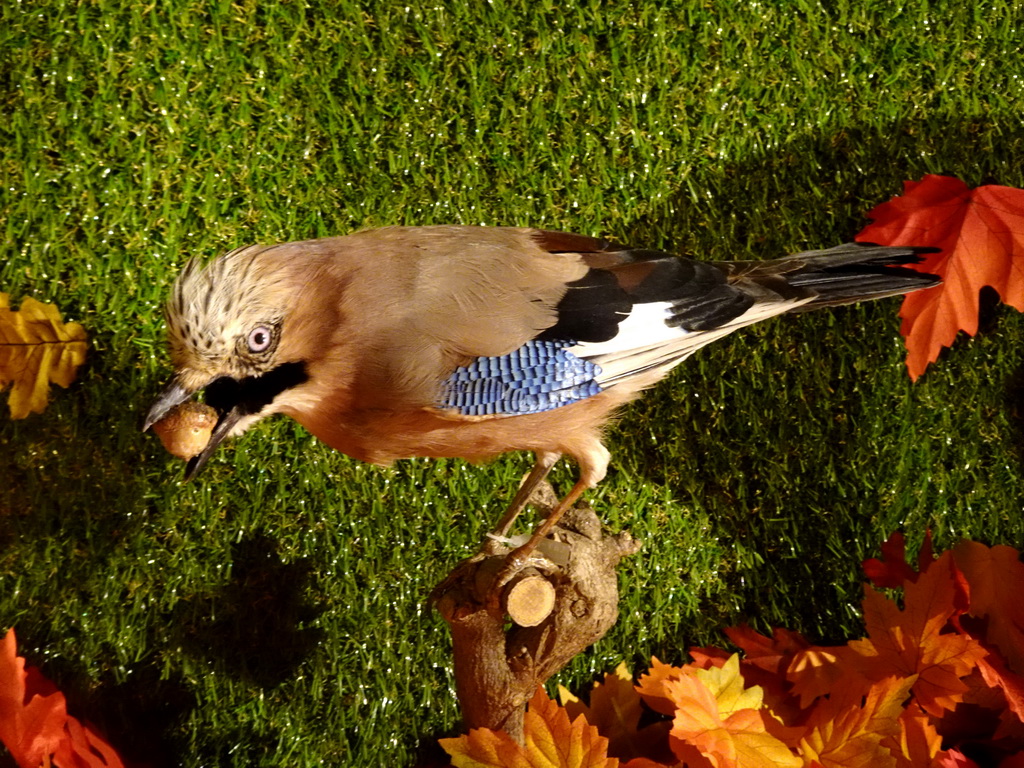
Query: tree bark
499,665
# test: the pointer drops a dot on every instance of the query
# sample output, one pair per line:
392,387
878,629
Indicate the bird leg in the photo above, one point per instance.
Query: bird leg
541,467
593,463
517,558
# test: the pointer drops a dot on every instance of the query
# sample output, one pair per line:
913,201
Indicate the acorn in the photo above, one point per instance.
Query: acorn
186,429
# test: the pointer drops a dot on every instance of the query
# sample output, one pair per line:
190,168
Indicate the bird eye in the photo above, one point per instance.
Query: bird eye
259,339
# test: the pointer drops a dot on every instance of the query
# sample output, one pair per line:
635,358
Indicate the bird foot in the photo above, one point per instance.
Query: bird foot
516,560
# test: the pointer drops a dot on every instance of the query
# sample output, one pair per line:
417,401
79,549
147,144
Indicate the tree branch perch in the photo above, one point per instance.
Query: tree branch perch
498,666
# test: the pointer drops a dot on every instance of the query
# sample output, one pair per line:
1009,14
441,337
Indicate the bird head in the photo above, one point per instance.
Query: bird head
225,322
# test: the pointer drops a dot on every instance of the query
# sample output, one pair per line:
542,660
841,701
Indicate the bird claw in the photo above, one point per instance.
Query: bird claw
516,560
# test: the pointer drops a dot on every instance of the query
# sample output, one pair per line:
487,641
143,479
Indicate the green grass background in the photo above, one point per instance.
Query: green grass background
272,613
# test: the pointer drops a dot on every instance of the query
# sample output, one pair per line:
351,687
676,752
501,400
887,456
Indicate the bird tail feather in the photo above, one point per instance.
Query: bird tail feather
842,275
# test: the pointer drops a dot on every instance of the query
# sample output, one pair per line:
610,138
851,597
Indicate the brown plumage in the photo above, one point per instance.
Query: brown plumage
404,342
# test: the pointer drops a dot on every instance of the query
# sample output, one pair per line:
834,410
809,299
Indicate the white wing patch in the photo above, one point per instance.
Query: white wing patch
646,342
646,325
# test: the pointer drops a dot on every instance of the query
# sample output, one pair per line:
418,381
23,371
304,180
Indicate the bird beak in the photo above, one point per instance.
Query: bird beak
175,394
225,424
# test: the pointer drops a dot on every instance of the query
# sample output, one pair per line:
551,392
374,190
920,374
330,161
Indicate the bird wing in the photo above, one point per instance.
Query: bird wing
559,317
635,314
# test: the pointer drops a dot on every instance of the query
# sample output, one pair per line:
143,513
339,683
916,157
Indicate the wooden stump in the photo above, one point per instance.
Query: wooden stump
498,664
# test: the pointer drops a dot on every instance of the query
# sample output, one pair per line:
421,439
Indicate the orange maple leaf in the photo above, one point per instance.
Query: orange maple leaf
35,725
815,671
706,657
652,685
765,664
724,721
550,741
916,641
768,653
918,744
981,236
996,578
848,729
994,673
615,710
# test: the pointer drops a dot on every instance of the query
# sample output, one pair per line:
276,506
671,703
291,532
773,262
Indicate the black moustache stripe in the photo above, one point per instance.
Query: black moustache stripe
253,393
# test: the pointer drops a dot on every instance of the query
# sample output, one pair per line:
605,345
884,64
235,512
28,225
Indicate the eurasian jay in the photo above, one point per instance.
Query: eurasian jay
473,341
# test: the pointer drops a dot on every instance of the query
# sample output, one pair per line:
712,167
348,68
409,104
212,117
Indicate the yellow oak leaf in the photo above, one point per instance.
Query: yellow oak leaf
36,349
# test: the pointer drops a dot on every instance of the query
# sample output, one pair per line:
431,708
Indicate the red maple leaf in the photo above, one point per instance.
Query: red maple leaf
893,570
35,725
981,236
31,725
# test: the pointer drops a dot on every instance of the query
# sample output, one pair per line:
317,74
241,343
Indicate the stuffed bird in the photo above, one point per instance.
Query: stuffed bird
470,342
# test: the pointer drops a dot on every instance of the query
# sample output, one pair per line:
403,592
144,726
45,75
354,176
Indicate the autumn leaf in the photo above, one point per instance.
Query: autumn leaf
956,759
615,710
771,654
893,570
846,729
996,578
981,236
723,720
707,657
916,641
652,686
35,725
31,726
931,673
996,675
918,744
36,349
550,741
791,671
84,748
815,671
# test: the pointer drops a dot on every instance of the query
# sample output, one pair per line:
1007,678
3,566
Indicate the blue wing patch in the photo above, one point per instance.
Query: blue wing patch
539,376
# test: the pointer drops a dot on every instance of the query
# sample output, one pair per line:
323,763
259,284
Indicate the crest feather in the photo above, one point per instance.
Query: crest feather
209,303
